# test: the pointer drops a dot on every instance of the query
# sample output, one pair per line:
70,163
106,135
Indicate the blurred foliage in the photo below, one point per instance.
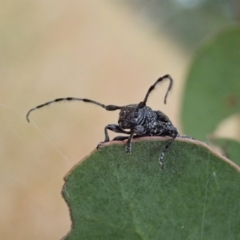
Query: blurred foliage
229,147
114,195
188,22
212,86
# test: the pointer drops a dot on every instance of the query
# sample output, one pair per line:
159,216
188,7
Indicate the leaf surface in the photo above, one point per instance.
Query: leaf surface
114,195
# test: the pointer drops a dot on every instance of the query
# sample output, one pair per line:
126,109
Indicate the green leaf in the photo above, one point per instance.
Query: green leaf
114,195
230,148
212,91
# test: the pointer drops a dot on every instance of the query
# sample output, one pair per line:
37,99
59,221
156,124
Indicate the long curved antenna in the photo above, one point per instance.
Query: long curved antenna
143,103
107,107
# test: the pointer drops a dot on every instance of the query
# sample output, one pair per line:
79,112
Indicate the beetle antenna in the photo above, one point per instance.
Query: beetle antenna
107,107
143,103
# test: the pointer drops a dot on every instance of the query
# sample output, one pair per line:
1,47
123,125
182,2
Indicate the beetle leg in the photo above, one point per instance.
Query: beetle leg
114,128
120,138
128,147
185,136
165,149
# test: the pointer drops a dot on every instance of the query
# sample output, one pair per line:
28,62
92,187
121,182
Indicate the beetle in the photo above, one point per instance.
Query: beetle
135,120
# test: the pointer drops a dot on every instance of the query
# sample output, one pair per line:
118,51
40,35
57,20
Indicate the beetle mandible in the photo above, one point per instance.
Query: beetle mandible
135,120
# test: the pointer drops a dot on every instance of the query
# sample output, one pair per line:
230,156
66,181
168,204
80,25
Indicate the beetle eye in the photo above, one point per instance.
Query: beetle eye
136,114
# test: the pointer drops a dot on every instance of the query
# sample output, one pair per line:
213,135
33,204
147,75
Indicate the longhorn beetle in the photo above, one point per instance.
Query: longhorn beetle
139,119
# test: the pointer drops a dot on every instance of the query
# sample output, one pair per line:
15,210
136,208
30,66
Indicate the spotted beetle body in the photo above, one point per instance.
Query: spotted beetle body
135,120
147,123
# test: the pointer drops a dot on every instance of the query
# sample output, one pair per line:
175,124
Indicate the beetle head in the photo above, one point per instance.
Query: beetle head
129,117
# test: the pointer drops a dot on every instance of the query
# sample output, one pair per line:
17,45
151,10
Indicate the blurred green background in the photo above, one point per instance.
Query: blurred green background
109,51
